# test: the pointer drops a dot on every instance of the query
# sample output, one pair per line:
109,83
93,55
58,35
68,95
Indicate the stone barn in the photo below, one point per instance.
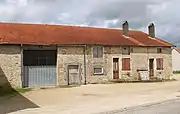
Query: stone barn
40,55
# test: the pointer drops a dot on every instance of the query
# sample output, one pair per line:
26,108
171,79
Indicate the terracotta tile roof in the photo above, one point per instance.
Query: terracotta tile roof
16,33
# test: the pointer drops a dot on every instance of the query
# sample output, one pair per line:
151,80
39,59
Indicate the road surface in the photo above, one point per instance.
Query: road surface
171,107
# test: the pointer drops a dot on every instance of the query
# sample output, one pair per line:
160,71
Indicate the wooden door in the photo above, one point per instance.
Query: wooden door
151,67
73,74
115,68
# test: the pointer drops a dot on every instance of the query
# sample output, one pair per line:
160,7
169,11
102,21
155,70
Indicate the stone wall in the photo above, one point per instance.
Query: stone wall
69,56
98,63
138,60
10,65
113,52
141,56
167,71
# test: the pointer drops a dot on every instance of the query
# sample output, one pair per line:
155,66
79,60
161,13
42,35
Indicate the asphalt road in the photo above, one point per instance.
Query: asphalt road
170,107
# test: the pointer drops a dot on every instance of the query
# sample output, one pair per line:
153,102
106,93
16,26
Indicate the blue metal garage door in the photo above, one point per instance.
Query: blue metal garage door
40,76
39,68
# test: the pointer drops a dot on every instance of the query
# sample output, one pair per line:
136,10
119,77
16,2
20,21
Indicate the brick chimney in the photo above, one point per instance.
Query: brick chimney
151,29
125,27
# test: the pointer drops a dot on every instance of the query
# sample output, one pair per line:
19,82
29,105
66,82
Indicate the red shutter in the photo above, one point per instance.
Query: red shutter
125,63
159,63
161,60
128,63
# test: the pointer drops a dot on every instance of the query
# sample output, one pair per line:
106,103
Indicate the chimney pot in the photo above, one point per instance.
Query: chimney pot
125,27
151,29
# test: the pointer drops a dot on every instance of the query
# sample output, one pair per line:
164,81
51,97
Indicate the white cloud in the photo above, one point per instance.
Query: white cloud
17,2
109,13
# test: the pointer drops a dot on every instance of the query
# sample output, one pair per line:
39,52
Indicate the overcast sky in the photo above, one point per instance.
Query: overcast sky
98,13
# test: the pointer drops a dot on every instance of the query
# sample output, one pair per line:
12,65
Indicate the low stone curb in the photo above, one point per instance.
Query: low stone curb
139,106
143,81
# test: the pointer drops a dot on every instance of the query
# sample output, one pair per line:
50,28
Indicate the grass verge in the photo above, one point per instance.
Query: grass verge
176,72
23,90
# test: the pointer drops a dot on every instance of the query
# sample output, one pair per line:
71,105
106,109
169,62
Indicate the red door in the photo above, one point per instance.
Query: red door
115,68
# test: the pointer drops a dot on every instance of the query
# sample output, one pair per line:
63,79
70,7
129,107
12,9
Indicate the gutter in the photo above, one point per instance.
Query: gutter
22,68
85,81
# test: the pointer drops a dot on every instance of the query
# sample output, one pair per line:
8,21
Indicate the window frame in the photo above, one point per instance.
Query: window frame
124,67
102,69
159,50
98,55
159,64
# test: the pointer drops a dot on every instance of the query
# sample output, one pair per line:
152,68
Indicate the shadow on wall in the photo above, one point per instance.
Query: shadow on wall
10,99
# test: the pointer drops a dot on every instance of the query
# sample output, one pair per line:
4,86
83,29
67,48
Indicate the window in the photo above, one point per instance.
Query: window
98,70
159,63
126,50
39,57
125,64
159,50
131,50
98,52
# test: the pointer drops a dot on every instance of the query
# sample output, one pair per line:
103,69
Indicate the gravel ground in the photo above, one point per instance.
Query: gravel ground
95,98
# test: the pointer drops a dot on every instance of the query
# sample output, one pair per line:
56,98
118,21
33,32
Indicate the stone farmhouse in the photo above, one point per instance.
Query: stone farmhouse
40,55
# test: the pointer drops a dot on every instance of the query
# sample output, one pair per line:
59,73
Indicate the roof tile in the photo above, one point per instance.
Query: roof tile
16,33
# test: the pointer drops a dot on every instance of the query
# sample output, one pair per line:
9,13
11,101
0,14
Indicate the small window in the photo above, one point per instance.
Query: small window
125,64
159,63
97,52
98,70
159,50
126,50
131,50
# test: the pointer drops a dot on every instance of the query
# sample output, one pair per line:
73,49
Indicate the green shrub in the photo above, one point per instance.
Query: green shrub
176,72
